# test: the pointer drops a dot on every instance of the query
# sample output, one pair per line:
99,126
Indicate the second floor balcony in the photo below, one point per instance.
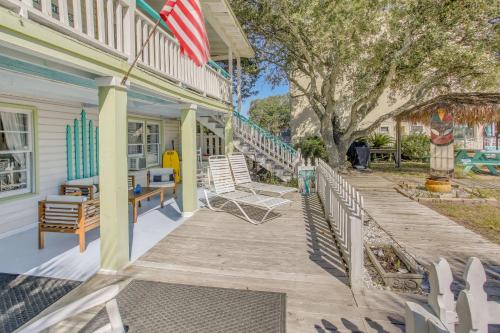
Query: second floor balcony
120,27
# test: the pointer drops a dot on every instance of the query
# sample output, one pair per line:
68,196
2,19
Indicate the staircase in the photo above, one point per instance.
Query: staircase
213,123
258,144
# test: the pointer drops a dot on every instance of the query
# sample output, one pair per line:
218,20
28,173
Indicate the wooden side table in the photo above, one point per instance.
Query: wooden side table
146,192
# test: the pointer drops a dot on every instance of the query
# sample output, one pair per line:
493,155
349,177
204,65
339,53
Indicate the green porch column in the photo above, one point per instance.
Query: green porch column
113,185
228,134
188,134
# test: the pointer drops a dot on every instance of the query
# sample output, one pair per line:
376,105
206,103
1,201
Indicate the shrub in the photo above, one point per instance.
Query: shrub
415,147
377,140
313,147
265,176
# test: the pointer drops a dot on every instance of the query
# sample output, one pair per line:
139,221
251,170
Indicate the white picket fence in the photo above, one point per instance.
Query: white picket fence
343,207
120,27
472,312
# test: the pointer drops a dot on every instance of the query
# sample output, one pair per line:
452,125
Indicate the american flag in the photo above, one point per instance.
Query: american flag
185,20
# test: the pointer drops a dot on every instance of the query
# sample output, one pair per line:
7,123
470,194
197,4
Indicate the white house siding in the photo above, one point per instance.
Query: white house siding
172,132
51,132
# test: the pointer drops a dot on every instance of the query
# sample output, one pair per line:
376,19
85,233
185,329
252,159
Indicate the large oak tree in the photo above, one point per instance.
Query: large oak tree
346,57
271,113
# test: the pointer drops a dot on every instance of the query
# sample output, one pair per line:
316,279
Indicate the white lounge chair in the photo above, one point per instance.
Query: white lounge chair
242,178
105,295
223,187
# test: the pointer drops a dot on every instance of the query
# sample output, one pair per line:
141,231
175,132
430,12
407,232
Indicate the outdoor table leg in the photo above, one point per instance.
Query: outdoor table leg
477,157
134,204
466,170
161,198
492,170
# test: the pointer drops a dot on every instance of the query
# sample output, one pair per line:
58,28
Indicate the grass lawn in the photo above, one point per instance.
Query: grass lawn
488,193
481,218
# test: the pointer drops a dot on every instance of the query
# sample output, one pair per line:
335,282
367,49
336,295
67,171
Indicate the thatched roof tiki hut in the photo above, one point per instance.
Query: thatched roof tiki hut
467,109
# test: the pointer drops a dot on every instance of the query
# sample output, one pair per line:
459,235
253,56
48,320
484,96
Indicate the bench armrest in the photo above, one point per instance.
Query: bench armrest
86,190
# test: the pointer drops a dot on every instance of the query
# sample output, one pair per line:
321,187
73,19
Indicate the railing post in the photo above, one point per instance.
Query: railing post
326,203
129,32
356,252
23,7
77,15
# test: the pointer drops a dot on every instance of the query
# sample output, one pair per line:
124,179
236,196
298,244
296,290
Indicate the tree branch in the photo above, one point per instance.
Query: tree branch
362,107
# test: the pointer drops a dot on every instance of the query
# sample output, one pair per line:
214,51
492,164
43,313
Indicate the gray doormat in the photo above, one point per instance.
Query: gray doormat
163,307
22,297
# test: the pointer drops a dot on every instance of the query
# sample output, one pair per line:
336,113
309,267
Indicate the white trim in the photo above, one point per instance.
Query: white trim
142,144
189,214
29,168
107,271
158,123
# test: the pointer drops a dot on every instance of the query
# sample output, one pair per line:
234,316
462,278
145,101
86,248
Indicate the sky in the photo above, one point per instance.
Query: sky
264,90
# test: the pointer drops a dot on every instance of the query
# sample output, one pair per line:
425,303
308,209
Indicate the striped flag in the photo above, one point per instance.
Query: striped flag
185,20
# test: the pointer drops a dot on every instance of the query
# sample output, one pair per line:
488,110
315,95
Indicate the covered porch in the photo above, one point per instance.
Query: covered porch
81,128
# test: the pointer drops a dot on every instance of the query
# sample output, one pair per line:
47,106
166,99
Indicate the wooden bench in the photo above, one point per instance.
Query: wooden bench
390,152
67,214
74,215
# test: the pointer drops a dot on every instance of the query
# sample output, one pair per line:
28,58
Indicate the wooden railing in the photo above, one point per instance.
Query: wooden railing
343,207
265,142
120,27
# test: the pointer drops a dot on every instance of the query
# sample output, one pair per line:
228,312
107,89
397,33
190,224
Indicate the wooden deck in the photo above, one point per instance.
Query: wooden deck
294,253
425,233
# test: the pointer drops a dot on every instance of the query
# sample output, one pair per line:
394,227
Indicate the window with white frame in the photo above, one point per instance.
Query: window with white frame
16,152
152,143
135,138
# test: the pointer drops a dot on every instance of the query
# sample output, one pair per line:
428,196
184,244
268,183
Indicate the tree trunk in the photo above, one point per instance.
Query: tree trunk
336,147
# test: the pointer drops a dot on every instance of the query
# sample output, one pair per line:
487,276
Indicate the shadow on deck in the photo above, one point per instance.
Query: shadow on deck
322,249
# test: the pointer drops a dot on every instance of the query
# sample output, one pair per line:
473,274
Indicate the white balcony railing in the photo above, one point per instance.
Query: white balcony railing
120,27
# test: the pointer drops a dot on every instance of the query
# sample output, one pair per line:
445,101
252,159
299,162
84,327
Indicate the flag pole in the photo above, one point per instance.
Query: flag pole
125,78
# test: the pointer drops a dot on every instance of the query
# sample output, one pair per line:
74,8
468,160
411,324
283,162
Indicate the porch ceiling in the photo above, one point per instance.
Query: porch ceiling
224,25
